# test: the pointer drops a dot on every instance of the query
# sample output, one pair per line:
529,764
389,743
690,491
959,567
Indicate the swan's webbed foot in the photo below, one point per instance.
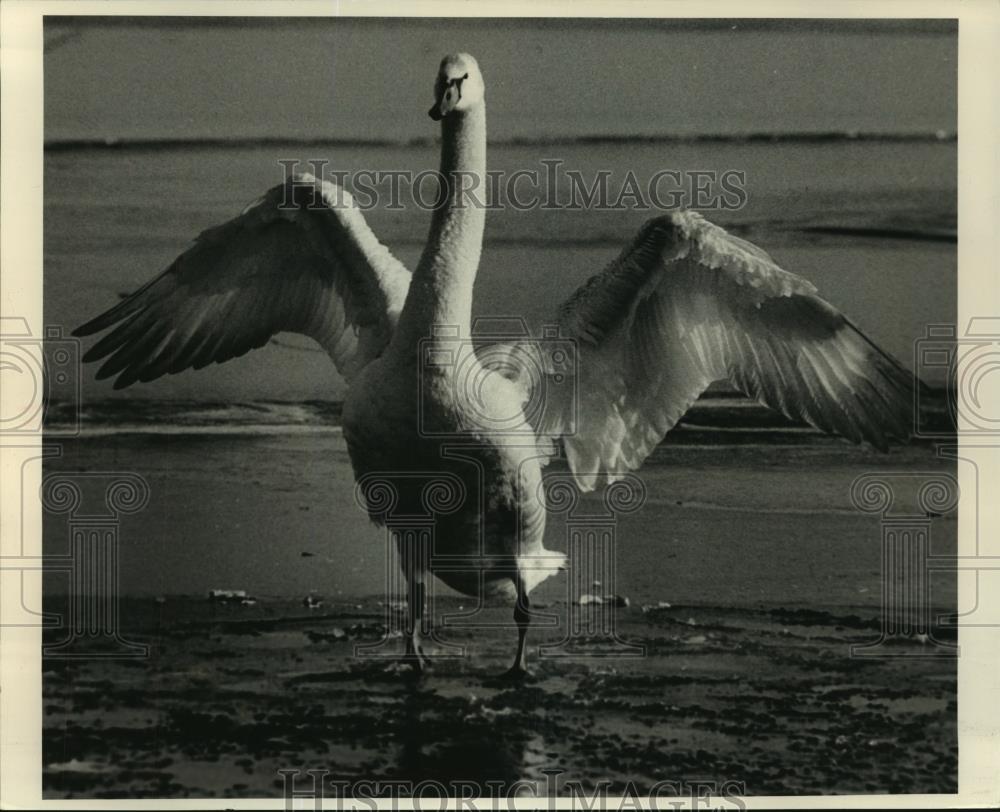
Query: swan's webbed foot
414,558
516,673
415,659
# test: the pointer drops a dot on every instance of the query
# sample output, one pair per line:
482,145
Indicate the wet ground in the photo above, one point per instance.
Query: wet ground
768,697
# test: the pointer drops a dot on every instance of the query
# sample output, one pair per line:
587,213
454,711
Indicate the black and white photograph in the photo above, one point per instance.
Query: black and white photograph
508,409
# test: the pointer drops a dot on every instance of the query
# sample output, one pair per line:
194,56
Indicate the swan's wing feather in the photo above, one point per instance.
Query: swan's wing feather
299,259
687,304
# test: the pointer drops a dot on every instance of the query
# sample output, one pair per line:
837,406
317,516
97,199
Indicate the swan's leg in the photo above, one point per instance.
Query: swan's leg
415,608
522,617
415,572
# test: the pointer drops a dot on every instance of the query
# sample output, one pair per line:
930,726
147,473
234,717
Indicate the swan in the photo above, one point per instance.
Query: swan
685,304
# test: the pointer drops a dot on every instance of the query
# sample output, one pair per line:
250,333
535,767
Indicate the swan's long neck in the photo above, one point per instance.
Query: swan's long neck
441,288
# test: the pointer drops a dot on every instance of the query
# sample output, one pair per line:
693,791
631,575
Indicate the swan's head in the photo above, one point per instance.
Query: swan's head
459,86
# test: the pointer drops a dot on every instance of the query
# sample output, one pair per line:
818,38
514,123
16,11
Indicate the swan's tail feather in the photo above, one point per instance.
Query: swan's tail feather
536,568
499,583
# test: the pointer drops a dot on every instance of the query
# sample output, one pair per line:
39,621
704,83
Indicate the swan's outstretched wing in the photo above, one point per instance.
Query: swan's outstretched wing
687,304
300,259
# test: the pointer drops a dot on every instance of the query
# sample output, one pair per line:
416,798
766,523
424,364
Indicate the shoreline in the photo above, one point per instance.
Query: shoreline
773,702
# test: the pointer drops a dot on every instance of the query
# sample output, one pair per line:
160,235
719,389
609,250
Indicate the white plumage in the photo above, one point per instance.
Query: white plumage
684,305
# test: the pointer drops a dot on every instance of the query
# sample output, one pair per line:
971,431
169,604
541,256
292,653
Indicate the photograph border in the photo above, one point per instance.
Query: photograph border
21,206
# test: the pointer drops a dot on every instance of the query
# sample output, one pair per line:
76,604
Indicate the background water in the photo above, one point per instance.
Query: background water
845,132
155,131
763,569
372,79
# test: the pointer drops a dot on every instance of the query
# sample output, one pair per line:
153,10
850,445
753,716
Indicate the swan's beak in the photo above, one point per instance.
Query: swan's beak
444,105
451,95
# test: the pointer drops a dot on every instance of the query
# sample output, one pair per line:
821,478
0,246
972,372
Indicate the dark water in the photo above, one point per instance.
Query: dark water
749,570
372,79
764,701
721,523
844,132
113,219
854,187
